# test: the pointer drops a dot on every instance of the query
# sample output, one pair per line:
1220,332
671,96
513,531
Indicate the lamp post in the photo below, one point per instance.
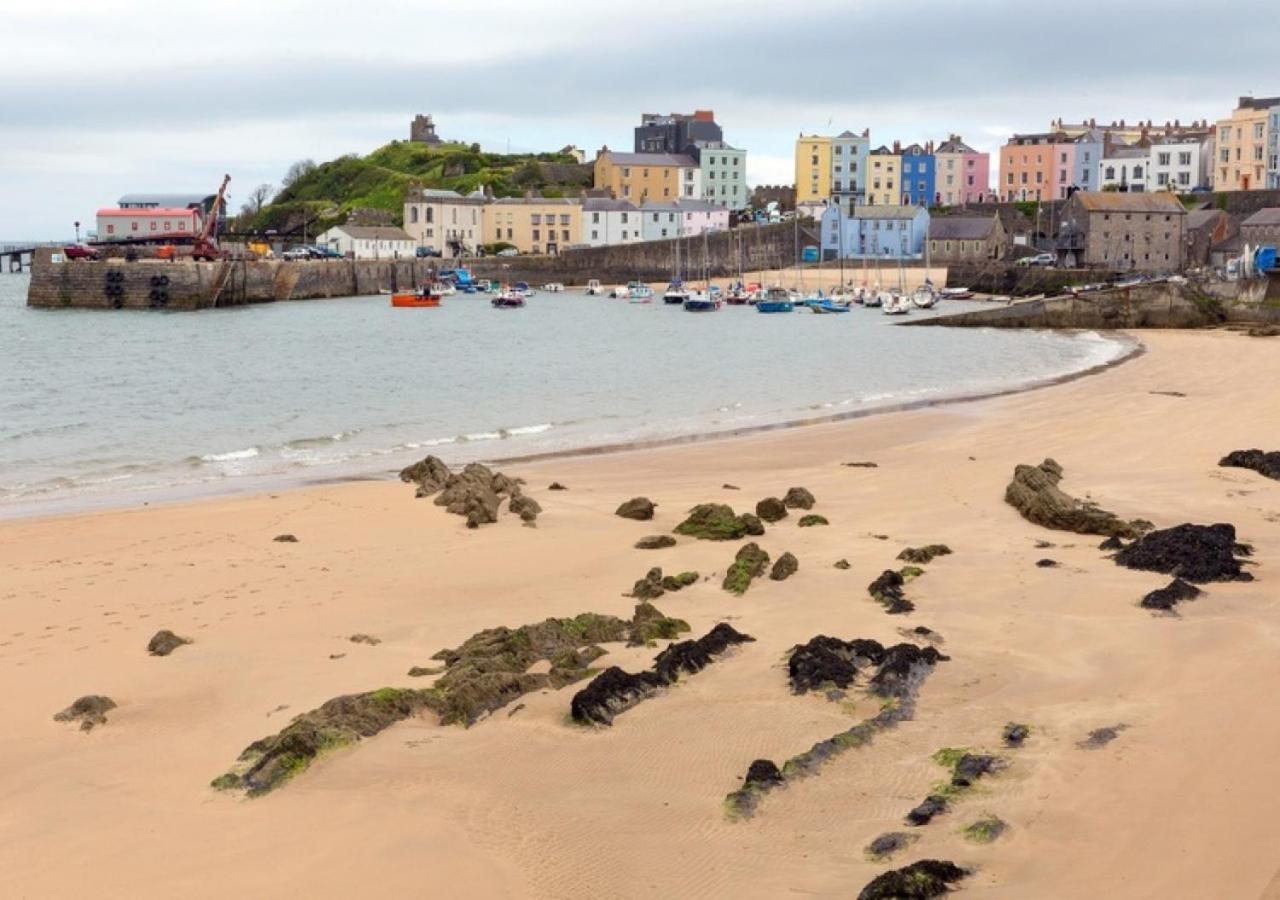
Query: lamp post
77,224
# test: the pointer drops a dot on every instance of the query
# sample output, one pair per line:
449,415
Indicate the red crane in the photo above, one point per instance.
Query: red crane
206,243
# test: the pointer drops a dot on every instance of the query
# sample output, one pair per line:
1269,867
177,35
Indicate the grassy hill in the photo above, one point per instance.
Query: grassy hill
326,195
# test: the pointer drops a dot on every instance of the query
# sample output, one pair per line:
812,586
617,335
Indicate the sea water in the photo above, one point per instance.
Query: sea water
119,406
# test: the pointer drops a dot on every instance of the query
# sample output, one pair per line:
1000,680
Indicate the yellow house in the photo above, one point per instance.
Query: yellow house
884,178
648,177
813,168
1240,160
533,224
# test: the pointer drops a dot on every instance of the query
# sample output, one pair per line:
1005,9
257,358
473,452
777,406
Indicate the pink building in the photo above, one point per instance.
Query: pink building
963,175
1037,167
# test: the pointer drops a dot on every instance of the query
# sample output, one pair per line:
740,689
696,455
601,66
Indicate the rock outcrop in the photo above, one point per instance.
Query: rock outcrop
718,522
887,589
903,669
285,539
749,563
771,510
650,586
638,508
784,567
811,520
90,711
164,642
1195,553
825,662
655,542
799,498
1266,464
475,493
1034,492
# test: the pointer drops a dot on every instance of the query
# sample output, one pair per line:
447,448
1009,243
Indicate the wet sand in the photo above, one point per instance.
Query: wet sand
525,805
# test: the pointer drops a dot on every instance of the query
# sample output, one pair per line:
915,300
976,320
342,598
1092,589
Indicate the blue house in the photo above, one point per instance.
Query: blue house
919,176
875,232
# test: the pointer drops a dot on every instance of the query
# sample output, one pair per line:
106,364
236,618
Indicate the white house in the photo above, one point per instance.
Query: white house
683,218
606,221
1181,162
369,242
1124,167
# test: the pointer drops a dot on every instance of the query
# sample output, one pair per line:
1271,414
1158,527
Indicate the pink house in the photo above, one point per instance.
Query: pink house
963,175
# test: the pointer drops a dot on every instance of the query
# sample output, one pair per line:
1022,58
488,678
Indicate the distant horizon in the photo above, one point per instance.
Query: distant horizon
239,100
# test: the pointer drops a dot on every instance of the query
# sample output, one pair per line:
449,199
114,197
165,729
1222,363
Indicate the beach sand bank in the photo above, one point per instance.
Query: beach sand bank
525,805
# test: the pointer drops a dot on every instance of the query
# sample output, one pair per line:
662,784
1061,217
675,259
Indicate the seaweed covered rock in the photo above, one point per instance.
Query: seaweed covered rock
638,508
771,509
1047,563
903,668
650,586
429,475
164,642
749,563
784,567
1195,553
762,772
922,814
842,564
285,539
1166,598
717,522
1034,492
1265,464
1112,543
1100,737
648,624
688,657
611,692
811,520
1015,734
887,590
985,829
918,881
924,555
268,763
888,844
828,661
90,710
677,582
753,524
525,507
798,498
614,690
655,542
972,766
556,486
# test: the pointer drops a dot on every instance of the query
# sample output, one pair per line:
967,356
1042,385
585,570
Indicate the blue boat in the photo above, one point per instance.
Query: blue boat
776,300
826,306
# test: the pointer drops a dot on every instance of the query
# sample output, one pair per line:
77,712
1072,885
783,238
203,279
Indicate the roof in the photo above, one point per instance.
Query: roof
158,211
537,201
1259,102
954,146
961,228
914,150
1126,151
608,204
650,159
682,206
438,192
1116,201
847,135
883,151
373,232
886,212
1269,216
1201,217
172,201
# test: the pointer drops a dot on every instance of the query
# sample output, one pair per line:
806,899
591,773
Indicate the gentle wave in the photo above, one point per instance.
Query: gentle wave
246,453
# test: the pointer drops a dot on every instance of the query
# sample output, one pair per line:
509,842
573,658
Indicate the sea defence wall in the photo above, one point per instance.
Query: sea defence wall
115,283
1155,305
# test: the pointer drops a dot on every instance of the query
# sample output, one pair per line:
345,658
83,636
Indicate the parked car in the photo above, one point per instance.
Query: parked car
80,251
427,252
320,252
509,251
1048,260
296,253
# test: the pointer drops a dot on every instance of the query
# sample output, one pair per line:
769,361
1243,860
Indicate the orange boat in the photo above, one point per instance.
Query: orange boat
415,299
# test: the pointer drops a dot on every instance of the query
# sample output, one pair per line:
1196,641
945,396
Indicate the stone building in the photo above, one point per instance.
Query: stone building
423,131
1125,232
1263,227
967,239
445,221
1206,229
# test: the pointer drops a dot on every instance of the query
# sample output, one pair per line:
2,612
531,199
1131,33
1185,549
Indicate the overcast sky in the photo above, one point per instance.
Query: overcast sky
99,99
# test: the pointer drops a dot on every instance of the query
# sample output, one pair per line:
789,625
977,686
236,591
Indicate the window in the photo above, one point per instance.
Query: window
595,218
624,219
1184,159
168,226
535,218
1110,173
595,235
1137,171
135,224
564,219
565,234
153,226
1184,178
626,173
413,214
111,229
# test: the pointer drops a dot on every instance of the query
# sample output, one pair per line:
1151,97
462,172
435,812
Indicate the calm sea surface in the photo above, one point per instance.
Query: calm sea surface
107,407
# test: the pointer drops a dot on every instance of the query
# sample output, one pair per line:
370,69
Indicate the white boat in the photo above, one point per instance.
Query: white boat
443,288
676,293
895,305
594,289
955,293
924,297
876,298
553,287
640,292
621,292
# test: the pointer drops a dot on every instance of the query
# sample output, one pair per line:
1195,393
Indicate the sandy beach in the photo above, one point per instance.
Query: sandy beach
526,804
